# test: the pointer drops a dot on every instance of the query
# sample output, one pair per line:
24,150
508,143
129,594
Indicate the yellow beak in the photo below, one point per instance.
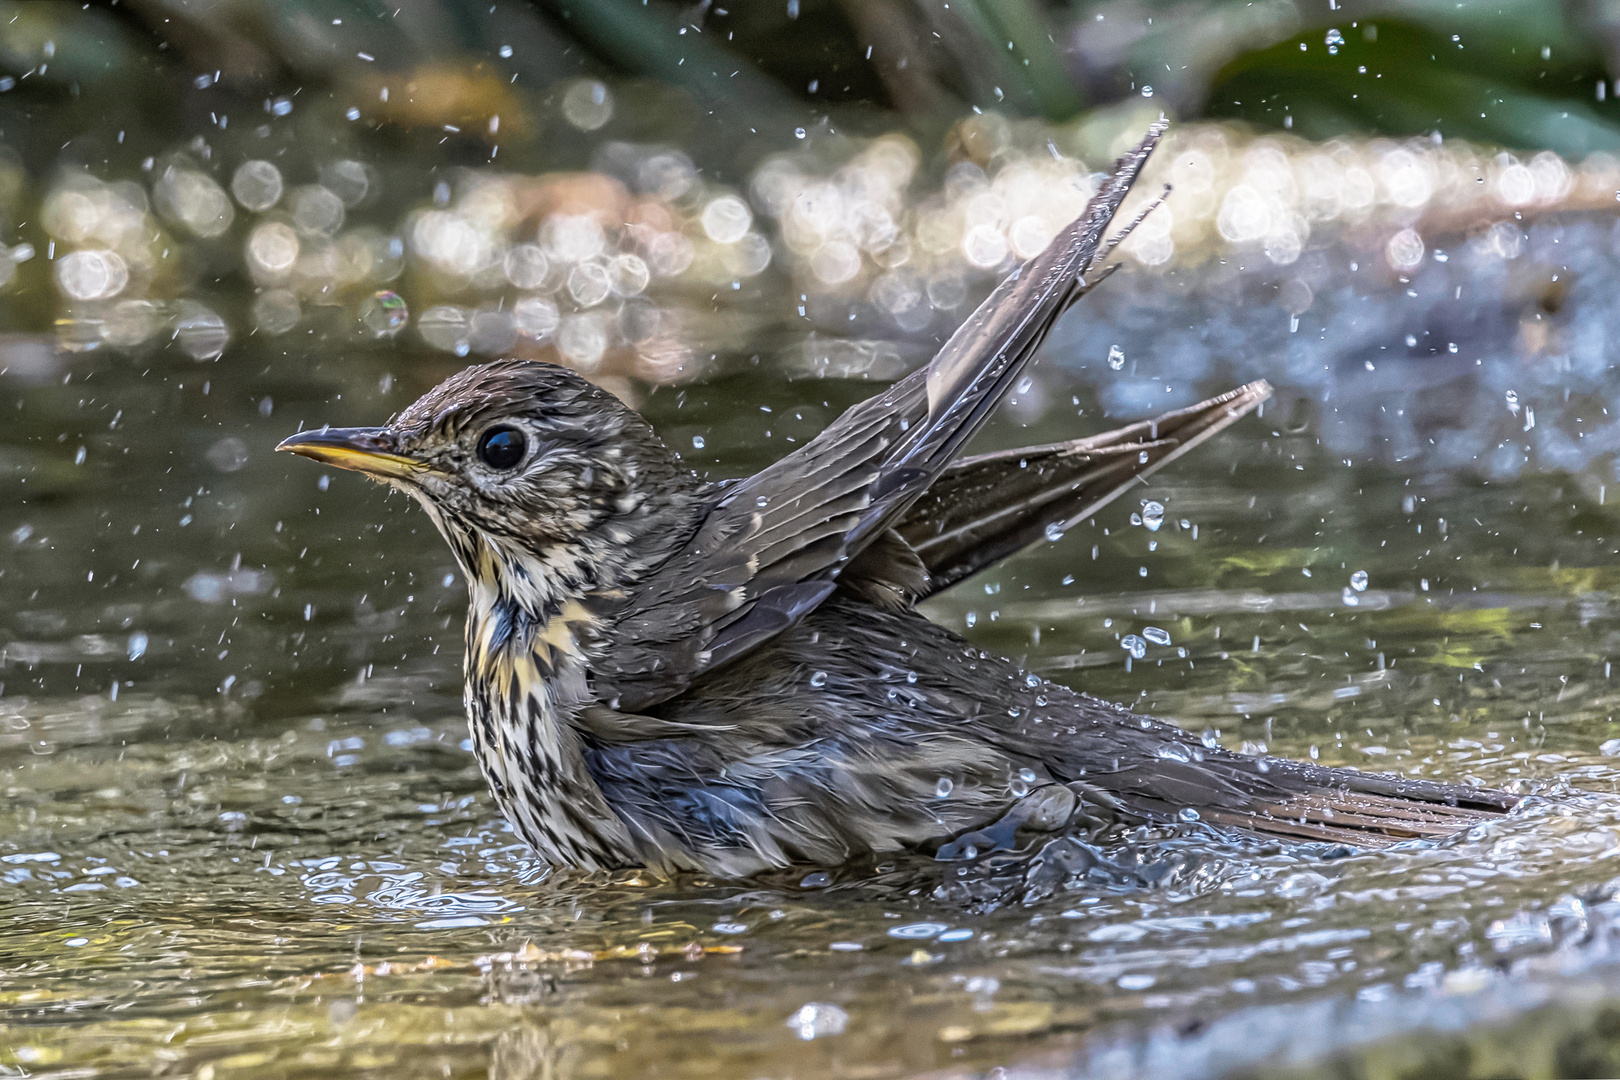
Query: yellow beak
363,450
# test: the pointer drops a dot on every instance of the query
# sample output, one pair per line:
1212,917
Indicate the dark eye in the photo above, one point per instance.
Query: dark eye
501,447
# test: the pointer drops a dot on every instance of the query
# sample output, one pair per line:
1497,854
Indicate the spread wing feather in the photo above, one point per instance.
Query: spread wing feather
983,509
772,546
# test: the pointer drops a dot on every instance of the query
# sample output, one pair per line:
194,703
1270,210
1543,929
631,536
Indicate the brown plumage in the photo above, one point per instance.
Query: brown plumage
733,677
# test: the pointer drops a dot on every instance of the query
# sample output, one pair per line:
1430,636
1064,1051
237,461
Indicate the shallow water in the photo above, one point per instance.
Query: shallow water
243,833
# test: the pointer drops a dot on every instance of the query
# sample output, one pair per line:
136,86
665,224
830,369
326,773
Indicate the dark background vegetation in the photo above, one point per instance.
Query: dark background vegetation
1524,74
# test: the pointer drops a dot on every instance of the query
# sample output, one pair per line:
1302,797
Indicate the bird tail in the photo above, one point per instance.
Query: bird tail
1159,772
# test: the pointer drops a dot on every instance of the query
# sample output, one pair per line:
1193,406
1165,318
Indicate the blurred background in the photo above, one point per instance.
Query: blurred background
655,193
242,833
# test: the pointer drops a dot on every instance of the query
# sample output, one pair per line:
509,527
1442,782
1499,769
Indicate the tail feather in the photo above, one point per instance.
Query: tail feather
1160,774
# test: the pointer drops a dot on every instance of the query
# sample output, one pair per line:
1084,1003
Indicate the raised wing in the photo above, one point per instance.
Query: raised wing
771,548
984,508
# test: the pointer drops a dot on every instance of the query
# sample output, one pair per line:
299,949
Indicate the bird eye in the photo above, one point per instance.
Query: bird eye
501,447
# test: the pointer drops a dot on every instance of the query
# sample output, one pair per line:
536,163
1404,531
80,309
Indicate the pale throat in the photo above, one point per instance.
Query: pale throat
527,630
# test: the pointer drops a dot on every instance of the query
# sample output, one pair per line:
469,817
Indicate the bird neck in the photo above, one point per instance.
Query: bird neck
530,626
527,630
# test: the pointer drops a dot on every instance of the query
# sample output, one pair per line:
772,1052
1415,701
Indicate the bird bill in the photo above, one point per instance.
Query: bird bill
362,450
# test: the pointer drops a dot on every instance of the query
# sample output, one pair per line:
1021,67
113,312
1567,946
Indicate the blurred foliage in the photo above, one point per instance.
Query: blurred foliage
1528,74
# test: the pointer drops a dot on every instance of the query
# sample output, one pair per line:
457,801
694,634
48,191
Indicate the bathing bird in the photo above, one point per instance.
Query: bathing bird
732,677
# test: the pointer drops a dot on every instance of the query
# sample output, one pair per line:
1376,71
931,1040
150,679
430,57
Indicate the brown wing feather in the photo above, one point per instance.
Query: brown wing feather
985,508
773,545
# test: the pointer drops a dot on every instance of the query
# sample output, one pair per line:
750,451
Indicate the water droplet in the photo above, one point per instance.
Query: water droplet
1032,680
1156,635
384,314
1018,787
1358,581
1153,516
1350,598
819,679
1027,775
1513,402
1174,752
943,788
1133,645
1054,531
697,442
1116,357
137,645
1210,740
818,1018
972,617
1188,814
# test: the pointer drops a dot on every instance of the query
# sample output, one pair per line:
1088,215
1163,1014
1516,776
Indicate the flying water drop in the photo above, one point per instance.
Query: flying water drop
1116,357
1133,645
384,314
1358,581
1156,635
1153,515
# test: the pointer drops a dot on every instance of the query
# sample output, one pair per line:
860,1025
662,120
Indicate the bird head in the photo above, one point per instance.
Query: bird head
525,468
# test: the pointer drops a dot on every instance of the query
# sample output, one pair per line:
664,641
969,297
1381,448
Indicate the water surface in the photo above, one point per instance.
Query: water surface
243,833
